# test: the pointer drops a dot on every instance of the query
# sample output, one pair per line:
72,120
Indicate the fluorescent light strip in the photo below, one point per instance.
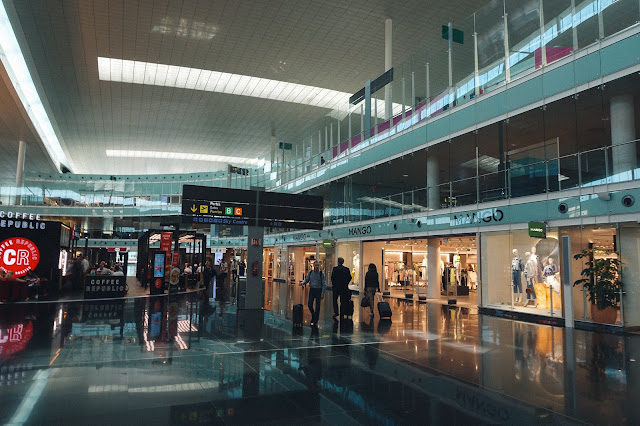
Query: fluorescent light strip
138,72
18,72
125,153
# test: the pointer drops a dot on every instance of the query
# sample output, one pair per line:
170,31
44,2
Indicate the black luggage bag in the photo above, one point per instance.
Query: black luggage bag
298,310
384,310
346,308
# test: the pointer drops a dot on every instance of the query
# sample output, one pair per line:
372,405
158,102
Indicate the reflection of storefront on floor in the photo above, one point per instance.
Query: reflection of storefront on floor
403,266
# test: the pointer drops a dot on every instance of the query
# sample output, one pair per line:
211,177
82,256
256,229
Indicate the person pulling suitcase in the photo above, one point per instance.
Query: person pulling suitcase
340,278
317,287
371,284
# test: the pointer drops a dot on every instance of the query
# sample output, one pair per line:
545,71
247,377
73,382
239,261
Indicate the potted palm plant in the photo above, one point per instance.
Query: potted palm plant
601,279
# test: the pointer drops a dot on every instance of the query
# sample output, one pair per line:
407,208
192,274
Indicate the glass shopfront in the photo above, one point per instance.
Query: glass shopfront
403,266
602,241
520,272
350,252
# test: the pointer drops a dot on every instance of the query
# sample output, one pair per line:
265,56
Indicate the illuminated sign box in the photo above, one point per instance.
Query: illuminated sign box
239,207
537,230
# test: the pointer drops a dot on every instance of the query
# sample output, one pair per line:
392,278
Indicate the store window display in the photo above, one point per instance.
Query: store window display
533,281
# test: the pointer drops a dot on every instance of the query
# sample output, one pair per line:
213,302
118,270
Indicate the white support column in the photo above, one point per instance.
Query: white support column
543,44
428,91
600,21
433,268
450,66
476,70
22,149
433,191
388,54
623,132
507,67
273,149
574,28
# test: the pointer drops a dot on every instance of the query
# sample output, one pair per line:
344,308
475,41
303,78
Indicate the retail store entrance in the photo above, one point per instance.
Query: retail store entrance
403,266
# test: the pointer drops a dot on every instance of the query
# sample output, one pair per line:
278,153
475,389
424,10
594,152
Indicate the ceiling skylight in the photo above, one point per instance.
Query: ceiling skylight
137,72
16,67
124,153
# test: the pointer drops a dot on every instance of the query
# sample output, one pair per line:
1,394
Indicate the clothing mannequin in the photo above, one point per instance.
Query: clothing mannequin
356,267
516,271
457,265
531,273
549,275
536,258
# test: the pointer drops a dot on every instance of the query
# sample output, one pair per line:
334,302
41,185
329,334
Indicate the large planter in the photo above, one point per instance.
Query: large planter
608,315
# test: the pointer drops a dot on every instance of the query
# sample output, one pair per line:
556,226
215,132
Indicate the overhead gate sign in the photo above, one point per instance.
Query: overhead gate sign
239,207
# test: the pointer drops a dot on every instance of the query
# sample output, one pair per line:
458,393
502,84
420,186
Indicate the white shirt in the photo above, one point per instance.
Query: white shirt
104,271
118,274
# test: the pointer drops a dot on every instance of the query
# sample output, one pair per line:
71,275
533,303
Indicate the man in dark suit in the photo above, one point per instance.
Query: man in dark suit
340,278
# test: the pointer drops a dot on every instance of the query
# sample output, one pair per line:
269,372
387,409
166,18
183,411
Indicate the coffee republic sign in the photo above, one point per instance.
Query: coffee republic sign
21,220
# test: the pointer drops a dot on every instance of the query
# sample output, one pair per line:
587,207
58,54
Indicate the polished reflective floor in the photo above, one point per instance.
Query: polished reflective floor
181,360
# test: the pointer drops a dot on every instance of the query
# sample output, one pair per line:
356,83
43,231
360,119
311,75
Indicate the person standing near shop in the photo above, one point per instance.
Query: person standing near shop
206,276
340,278
317,287
371,285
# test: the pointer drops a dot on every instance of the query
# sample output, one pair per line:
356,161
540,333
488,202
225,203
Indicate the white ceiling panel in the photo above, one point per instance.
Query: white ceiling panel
206,77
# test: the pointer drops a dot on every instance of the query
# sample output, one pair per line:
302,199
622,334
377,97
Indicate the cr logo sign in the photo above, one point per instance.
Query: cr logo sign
18,255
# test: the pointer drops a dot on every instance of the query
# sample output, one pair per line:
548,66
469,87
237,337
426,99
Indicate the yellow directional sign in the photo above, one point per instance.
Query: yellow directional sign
204,208
194,208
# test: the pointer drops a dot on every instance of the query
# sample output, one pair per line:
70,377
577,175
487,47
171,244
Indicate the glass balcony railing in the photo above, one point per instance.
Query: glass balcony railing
501,42
606,165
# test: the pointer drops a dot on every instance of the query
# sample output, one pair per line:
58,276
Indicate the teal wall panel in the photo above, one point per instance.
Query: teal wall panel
587,68
439,128
464,118
523,94
620,55
557,80
490,107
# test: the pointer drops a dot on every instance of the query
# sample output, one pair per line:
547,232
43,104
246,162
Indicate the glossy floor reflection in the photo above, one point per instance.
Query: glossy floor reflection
178,360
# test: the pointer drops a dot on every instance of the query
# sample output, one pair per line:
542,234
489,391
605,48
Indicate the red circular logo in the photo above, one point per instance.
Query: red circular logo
18,255
158,282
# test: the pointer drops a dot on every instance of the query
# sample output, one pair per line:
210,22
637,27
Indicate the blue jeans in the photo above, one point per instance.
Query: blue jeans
517,283
315,294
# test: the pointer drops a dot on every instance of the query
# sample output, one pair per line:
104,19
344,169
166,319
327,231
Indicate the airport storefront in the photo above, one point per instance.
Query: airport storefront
512,260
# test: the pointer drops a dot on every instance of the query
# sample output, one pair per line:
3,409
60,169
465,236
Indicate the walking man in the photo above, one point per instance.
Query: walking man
317,287
340,278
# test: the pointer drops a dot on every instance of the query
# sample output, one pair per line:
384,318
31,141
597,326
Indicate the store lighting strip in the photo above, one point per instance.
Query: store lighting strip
125,153
13,61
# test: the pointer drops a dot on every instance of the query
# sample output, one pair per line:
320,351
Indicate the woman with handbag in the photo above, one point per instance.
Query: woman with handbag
371,285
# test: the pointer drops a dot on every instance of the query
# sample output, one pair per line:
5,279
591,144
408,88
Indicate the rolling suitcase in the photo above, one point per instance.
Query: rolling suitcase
384,310
298,311
346,308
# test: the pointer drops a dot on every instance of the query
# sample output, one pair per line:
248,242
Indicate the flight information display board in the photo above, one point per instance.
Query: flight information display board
239,207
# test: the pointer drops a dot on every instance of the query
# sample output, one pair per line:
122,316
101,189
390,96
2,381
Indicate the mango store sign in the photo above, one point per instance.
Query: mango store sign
21,220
